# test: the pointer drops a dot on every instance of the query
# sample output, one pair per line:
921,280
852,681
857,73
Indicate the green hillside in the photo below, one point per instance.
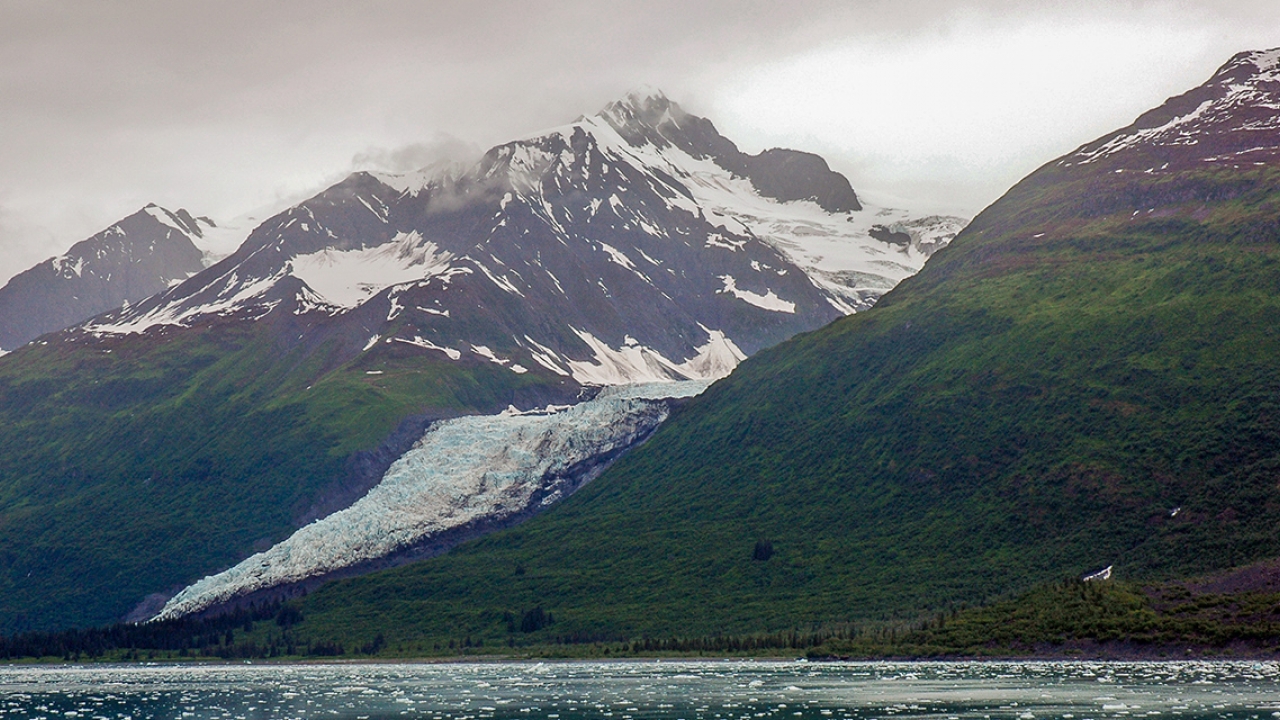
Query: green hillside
1113,620
1095,352
211,445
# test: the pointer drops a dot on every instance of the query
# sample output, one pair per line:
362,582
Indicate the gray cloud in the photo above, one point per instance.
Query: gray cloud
443,148
24,244
222,106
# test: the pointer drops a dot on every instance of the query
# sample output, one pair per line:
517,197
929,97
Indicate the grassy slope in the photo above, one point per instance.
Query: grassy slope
209,445
1077,619
1026,407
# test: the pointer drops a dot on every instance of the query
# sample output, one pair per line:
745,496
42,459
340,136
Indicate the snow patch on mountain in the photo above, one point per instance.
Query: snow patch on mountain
635,363
217,240
462,471
66,266
440,172
1234,114
618,256
180,315
183,223
715,359
545,356
347,278
499,280
226,236
768,301
418,341
487,353
1168,133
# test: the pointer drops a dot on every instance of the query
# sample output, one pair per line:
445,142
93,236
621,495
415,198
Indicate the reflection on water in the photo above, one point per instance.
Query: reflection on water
634,690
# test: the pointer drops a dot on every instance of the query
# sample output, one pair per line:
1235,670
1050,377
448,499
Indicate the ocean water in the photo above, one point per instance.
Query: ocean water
710,690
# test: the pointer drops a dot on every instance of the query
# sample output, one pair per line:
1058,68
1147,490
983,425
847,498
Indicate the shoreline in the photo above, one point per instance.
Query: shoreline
497,659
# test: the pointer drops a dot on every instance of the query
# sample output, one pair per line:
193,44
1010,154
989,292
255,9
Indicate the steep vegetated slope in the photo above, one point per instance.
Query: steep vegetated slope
1085,378
171,438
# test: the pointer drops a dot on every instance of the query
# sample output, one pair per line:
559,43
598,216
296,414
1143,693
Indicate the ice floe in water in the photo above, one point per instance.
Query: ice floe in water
462,472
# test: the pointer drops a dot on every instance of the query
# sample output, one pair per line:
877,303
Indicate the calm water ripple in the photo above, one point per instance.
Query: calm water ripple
659,690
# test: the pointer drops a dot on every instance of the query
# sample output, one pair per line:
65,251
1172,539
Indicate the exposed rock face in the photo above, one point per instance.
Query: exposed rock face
1229,120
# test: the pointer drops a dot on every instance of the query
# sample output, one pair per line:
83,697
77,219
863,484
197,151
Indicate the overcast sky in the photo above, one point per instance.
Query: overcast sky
223,107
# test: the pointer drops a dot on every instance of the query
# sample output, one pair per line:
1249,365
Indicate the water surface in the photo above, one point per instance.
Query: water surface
633,690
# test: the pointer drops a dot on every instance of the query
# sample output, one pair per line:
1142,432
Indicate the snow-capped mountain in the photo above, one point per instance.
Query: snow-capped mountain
133,259
635,245
1179,162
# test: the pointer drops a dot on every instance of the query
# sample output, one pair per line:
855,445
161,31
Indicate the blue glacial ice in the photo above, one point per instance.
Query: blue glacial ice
469,470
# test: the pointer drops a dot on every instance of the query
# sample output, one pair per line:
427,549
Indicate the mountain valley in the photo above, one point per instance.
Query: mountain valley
1084,379
1080,385
177,434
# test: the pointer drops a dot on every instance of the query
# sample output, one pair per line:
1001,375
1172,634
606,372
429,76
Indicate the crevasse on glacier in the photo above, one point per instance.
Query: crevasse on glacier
470,469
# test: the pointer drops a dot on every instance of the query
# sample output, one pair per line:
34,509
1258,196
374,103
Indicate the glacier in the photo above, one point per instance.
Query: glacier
472,473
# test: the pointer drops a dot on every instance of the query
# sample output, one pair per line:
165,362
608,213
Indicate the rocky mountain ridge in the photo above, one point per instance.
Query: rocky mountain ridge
694,229
589,234
133,259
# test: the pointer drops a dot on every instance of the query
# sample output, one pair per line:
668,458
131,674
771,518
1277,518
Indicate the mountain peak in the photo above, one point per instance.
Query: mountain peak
1261,60
642,107
442,171
138,256
1249,64
645,96
182,221
1229,120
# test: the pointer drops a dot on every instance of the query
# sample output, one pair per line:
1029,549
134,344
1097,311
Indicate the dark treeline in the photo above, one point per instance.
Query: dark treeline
184,637
1063,617
736,644
266,631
